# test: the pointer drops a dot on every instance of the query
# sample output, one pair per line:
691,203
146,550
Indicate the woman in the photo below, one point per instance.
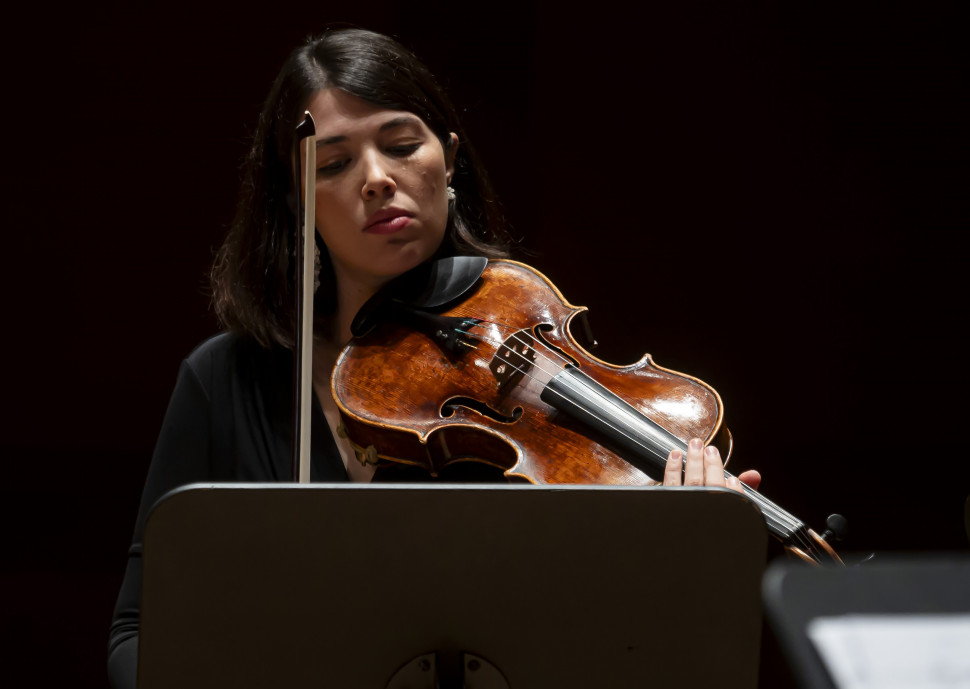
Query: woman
396,185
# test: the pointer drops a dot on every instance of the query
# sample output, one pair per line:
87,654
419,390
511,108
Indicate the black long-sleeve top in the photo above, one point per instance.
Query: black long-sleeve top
229,419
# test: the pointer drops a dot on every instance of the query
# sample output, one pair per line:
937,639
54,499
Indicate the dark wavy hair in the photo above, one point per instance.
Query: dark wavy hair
252,277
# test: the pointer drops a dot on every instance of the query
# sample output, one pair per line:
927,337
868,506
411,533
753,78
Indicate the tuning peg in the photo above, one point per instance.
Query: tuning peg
837,528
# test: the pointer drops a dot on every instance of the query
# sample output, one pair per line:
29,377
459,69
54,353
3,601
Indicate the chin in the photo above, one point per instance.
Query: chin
407,260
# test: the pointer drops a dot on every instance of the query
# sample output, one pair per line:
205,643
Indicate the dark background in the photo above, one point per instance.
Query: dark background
771,196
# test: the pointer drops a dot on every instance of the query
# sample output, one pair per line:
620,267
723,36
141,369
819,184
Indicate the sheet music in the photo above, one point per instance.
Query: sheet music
895,651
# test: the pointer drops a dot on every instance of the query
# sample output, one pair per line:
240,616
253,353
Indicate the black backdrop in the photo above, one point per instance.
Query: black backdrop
767,195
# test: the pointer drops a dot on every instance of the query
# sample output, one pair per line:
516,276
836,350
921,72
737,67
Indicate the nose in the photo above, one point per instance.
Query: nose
377,178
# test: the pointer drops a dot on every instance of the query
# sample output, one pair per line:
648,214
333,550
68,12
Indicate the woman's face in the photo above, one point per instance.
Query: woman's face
381,201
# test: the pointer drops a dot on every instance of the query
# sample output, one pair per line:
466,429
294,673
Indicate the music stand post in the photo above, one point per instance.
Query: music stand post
343,585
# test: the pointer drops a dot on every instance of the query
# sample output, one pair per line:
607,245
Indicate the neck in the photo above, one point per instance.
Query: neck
350,298
352,294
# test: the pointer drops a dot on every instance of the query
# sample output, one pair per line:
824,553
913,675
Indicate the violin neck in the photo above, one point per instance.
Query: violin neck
612,421
641,441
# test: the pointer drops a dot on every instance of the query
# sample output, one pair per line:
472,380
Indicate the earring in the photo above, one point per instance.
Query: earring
450,192
316,268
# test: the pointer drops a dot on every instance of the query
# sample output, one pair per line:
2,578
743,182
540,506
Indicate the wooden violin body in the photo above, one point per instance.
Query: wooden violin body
498,377
414,402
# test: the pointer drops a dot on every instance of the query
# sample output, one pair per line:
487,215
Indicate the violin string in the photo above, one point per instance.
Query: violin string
589,397
795,526
540,353
518,331
766,506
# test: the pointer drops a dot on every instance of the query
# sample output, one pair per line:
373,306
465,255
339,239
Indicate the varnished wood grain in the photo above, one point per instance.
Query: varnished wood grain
392,387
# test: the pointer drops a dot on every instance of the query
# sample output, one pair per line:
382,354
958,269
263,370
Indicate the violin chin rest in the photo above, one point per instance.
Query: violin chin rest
445,280
431,285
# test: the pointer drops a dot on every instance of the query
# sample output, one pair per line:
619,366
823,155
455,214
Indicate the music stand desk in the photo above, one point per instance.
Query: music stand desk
317,585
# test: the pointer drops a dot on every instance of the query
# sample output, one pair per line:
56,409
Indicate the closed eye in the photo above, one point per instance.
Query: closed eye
403,150
334,167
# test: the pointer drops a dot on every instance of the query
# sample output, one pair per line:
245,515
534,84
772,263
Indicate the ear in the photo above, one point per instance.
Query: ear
450,150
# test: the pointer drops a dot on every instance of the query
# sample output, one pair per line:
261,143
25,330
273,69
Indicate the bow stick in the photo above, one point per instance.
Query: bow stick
306,149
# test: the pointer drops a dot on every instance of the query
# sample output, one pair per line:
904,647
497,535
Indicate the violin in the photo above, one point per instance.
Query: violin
469,360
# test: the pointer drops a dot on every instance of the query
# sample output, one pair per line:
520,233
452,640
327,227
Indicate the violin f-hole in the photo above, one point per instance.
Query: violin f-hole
448,409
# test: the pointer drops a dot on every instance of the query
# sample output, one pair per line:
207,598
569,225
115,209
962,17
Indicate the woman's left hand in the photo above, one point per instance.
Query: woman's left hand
704,468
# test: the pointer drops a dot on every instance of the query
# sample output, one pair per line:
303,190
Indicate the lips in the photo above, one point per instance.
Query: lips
388,221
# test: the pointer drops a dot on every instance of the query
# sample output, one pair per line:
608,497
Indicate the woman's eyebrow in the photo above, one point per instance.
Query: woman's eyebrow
331,140
390,124
399,121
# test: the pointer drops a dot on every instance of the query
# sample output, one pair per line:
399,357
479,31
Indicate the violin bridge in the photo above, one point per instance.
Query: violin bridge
513,359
